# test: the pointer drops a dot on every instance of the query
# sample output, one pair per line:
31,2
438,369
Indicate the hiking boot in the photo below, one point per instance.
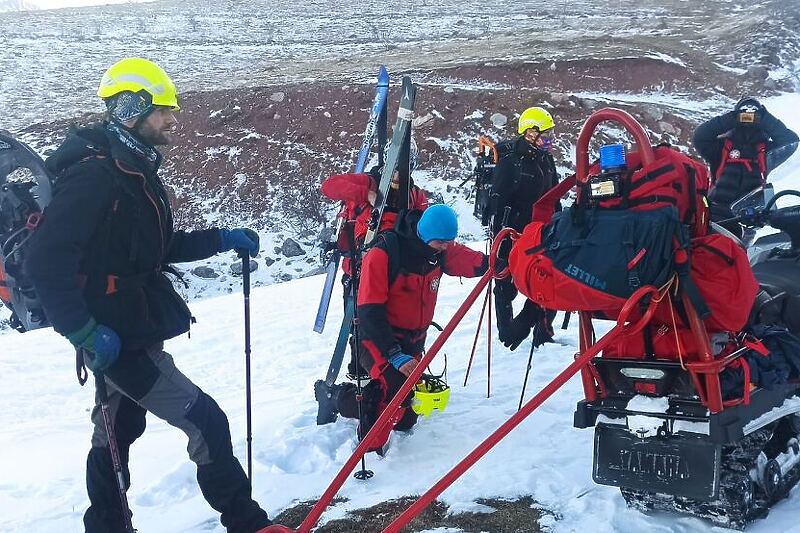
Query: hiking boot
326,396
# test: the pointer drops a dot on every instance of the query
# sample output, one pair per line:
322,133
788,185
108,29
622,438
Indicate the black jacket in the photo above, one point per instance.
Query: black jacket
106,237
523,173
736,181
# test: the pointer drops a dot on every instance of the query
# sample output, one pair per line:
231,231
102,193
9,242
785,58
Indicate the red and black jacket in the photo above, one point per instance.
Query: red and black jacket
353,190
399,285
105,240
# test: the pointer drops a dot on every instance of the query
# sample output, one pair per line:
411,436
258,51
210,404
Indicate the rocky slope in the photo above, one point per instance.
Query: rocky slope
281,97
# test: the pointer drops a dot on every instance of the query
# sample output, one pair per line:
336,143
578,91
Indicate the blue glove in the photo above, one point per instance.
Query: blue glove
238,239
101,342
399,359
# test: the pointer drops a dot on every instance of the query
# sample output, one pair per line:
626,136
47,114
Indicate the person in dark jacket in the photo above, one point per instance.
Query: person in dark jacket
742,147
397,295
525,170
98,264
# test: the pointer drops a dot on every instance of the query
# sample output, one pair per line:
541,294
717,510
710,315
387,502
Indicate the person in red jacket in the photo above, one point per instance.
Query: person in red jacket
358,193
397,295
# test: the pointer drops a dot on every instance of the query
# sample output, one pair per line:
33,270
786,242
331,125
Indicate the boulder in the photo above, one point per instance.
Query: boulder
290,248
499,120
205,272
236,268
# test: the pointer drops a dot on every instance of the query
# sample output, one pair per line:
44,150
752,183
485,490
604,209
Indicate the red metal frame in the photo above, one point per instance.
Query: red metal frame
621,328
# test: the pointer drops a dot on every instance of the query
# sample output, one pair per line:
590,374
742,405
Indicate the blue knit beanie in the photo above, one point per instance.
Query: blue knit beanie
438,222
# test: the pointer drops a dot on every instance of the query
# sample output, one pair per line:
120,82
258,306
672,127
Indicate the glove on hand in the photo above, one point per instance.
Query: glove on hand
518,331
239,239
543,331
102,343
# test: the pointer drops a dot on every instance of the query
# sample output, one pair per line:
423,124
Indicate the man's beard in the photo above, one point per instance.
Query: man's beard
155,137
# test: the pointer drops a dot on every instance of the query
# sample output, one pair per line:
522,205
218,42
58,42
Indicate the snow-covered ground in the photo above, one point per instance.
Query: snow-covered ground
46,428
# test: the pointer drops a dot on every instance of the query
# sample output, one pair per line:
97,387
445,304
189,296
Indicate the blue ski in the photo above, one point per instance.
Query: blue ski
376,117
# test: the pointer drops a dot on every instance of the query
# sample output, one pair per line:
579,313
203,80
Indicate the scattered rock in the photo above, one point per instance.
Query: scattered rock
236,268
205,272
654,113
326,234
269,261
285,277
290,248
421,120
558,98
278,96
499,120
666,127
759,72
771,84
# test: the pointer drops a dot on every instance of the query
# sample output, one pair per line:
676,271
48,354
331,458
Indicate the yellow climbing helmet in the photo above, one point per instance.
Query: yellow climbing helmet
429,394
535,117
134,74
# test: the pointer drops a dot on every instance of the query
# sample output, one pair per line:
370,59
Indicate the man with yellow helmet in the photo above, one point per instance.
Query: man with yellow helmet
97,263
524,171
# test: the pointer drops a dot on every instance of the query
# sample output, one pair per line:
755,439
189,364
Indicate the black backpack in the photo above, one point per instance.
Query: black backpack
25,190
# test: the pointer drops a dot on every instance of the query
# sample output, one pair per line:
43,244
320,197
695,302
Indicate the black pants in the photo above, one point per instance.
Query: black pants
148,381
376,396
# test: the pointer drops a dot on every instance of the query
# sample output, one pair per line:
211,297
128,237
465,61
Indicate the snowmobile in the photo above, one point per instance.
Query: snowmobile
673,449
25,190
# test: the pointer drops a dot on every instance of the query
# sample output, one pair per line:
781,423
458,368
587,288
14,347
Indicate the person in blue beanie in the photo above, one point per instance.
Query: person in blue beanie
400,279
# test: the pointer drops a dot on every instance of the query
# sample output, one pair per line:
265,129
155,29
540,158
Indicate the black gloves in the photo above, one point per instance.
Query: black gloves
531,317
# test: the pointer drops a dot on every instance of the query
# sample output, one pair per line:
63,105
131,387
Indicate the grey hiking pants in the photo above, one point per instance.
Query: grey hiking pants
142,381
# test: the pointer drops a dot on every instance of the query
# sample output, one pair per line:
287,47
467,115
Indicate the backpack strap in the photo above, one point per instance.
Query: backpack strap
391,245
545,206
761,158
726,152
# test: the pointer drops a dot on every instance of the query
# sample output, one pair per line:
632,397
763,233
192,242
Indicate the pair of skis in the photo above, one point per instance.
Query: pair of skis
376,124
397,161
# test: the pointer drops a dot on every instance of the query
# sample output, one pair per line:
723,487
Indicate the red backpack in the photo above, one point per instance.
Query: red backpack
594,255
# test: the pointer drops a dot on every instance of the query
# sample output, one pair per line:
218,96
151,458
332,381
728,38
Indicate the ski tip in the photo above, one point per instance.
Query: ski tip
383,76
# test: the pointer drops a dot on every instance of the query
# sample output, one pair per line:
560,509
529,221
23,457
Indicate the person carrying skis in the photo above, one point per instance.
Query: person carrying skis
525,170
397,294
98,262
358,193
741,146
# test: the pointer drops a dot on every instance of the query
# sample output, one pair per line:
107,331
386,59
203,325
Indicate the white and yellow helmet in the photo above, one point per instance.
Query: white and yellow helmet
132,86
535,117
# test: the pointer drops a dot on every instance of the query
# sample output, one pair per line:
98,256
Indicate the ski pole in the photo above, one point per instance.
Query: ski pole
102,395
245,255
527,372
477,334
362,474
489,343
